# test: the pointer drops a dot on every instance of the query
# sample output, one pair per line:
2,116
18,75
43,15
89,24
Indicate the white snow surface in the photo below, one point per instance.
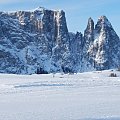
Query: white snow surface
83,96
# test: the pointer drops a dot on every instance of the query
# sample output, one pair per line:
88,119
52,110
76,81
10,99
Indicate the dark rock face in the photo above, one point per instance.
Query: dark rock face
76,48
35,41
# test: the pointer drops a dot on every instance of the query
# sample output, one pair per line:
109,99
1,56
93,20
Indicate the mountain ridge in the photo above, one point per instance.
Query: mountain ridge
38,41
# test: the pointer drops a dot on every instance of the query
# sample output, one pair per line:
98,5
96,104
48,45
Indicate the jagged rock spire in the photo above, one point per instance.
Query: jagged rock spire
105,50
90,25
89,31
88,35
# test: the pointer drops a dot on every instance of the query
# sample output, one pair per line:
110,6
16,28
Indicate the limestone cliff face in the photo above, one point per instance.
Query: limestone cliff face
33,39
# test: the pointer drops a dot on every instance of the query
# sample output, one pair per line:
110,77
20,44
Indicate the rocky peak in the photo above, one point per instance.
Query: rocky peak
89,30
90,25
104,20
102,24
88,35
106,46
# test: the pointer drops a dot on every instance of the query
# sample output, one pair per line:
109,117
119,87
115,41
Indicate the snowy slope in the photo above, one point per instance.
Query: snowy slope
83,96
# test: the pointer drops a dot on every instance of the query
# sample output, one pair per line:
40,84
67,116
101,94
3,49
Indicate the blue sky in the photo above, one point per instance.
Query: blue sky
77,11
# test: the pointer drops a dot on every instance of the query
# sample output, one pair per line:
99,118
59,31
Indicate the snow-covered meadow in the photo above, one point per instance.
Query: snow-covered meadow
83,96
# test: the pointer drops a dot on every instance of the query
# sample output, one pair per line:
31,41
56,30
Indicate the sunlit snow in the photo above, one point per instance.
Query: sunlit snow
83,96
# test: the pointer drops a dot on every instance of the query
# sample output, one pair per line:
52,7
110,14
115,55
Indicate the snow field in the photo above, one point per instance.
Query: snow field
83,96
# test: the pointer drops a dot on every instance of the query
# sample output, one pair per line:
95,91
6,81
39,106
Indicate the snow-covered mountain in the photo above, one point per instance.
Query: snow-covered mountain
103,45
39,41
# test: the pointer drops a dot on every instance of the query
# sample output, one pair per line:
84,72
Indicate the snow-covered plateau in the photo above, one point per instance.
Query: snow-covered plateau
82,96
